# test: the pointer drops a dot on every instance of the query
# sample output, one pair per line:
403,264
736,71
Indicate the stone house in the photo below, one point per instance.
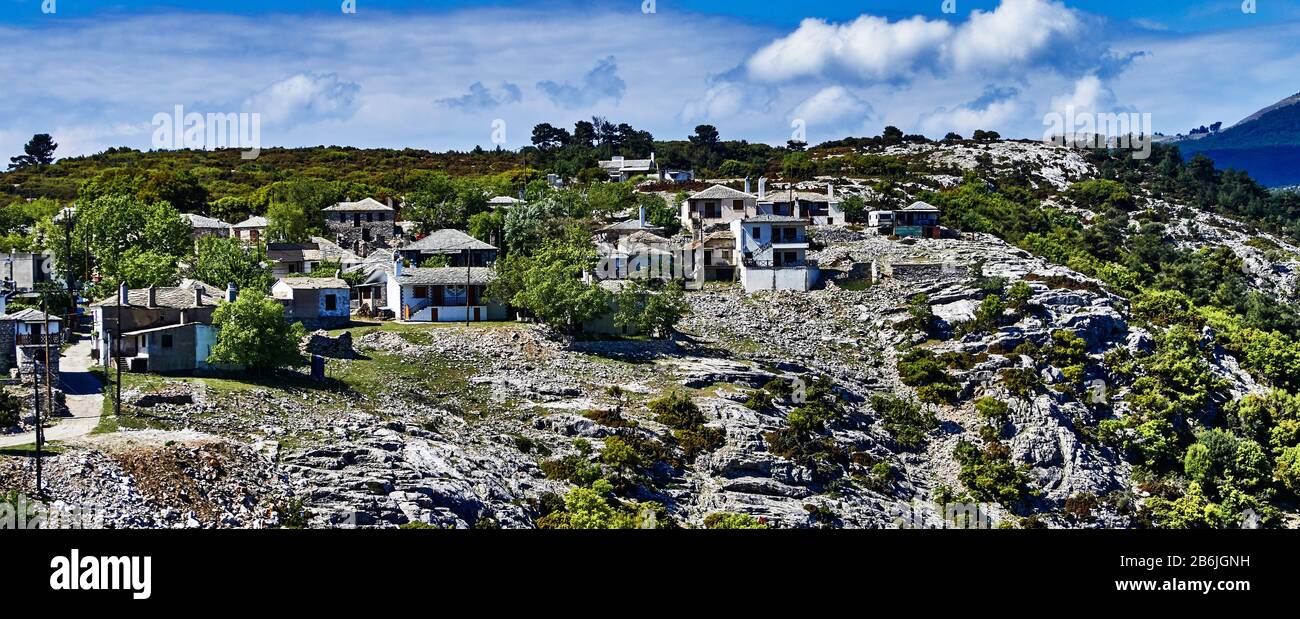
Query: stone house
316,302
444,294
289,258
207,226
363,225
449,247
160,327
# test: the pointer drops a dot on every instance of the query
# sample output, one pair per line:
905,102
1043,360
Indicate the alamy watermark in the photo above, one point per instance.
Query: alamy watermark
178,130
1116,130
22,513
926,515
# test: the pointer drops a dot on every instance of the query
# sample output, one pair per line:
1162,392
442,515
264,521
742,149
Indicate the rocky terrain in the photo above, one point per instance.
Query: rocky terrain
494,425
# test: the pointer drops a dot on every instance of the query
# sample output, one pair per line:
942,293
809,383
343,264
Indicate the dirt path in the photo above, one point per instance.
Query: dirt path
84,395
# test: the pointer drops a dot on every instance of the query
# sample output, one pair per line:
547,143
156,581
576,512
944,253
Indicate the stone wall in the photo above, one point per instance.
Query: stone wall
352,237
8,335
32,359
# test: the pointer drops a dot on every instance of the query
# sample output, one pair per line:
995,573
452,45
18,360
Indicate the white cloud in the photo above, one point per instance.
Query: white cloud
834,106
996,109
305,97
1090,95
1016,36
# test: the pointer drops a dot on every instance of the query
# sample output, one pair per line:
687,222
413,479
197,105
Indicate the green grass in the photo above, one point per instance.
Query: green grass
855,285
29,450
429,380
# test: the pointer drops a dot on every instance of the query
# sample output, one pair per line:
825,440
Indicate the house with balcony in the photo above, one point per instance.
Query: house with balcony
820,209
717,206
441,294
918,220
715,257
773,253
290,258
162,329
449,247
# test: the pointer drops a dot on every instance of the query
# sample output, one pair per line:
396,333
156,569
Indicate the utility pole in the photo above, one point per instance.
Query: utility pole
122,295
468,271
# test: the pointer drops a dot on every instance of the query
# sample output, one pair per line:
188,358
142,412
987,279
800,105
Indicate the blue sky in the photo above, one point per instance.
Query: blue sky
445,74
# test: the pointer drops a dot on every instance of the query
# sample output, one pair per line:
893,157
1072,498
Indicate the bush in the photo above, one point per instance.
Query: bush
990,475
760,400
992,411
700,440
1023,382
677,410
727,520
618,454
920,368
10,409
905,421
609,418
1288,469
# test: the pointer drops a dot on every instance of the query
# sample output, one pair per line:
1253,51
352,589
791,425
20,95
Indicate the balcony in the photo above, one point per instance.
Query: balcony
751,263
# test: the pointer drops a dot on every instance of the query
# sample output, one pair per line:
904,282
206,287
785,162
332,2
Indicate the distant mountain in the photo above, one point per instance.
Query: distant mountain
1266,144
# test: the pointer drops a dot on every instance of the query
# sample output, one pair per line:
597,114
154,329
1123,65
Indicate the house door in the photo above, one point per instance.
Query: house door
433,314
477,317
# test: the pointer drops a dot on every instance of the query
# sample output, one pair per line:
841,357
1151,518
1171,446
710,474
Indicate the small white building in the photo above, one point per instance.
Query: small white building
773,252
620,169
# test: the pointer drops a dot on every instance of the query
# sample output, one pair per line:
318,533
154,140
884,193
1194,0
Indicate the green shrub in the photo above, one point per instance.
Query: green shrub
609,418
1022,382
618,454
760,400
727,520
677,410
992,410
1288,469
700,440
10,409
905,421
920,368
990,475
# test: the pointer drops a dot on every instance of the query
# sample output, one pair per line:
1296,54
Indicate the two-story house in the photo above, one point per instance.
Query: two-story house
447,247
773,253
442,294
163,329
718,205
360,226
251,230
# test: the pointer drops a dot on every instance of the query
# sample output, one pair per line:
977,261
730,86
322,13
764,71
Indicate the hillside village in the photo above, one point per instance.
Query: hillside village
864,334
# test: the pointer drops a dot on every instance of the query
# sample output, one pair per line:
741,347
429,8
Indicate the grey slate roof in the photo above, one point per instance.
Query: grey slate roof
30,315
922,207
369,205
504,201
631,225
329,250
314,283
199,221
776,219
256,221
720,192
446,241
446,276
178,297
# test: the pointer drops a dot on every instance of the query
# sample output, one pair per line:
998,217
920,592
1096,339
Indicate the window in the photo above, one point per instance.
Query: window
167,340
725,255
370,216
454,295
758,234
421,292
708,257
738,205
331,302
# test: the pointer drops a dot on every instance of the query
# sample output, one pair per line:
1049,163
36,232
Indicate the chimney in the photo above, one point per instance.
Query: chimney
153,297
762,188
746,184
830,190
231,292
652,156
123,294
642,217
198,296
397,266
390,201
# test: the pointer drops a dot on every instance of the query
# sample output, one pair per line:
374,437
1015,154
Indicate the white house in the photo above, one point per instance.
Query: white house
773,252
717,205
620,169
443,294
